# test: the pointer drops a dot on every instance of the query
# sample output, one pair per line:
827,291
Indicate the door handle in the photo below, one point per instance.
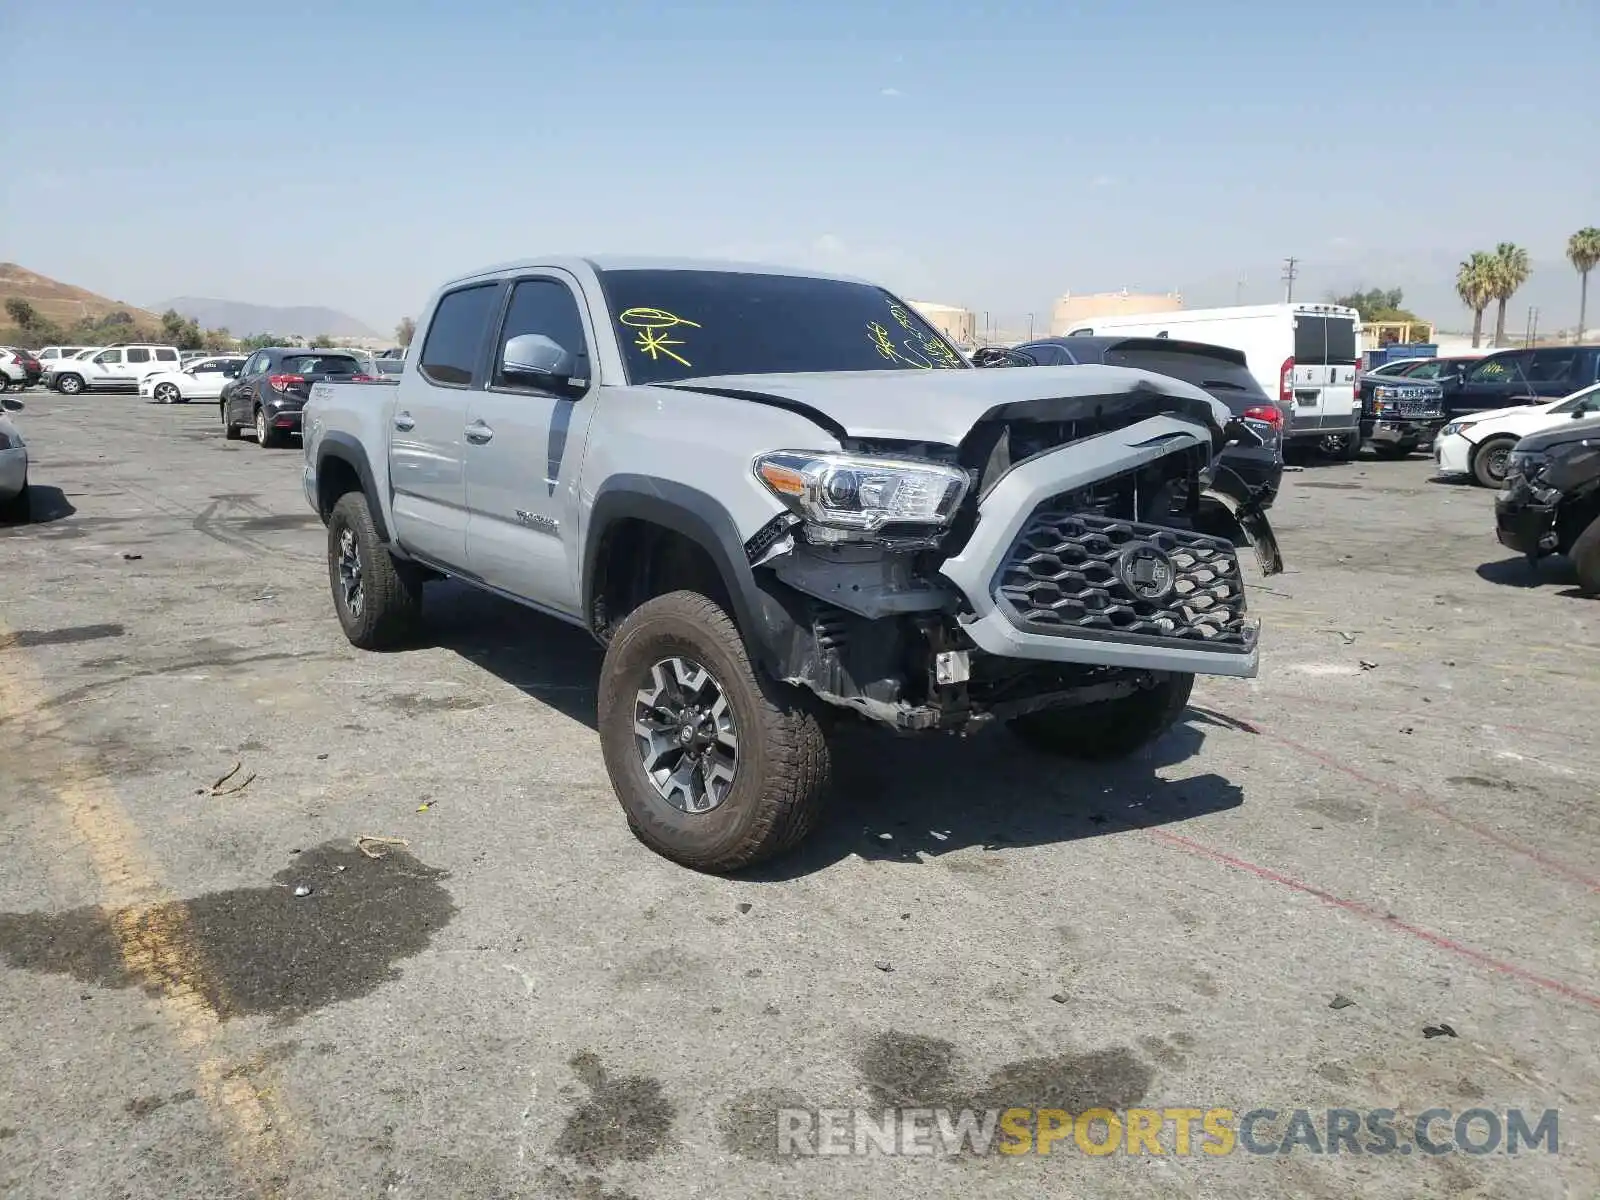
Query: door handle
478,433
405,422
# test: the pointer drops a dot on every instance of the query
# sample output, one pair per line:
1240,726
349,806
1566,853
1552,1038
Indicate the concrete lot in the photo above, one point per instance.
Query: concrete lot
528,1003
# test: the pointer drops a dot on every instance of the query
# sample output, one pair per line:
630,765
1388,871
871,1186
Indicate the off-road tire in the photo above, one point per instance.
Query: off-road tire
1491,454
1585,556
69,385
267,437
781,781
18,510
1111,729
391,606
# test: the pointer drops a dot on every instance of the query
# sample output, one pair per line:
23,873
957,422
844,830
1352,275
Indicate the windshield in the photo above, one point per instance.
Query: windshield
1589,397
685,324
320,364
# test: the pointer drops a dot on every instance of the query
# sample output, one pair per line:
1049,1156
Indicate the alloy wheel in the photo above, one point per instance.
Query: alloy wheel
348,564
261,426
687,739
167,393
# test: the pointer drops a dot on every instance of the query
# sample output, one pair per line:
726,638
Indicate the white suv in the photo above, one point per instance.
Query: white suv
116,368
52,356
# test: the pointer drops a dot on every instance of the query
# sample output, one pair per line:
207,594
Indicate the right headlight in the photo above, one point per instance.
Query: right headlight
852,492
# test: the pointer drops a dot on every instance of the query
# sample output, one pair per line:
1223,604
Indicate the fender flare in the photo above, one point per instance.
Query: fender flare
704,521
347,448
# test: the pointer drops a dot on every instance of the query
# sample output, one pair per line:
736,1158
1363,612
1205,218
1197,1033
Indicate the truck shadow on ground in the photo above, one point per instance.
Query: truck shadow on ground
933,795
1520,573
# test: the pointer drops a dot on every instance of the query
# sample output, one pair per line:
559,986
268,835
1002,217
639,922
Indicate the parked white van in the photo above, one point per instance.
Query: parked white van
1304,354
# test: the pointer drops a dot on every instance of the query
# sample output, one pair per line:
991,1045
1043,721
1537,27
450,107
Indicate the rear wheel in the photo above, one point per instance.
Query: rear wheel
1585,556
378,598
1112,729
267,437
1489,461
716,766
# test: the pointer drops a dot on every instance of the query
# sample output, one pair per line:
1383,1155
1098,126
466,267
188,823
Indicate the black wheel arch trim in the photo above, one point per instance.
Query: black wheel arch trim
348,449
703,520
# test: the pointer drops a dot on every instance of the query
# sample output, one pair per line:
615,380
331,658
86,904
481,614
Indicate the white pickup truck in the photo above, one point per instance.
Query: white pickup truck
779,499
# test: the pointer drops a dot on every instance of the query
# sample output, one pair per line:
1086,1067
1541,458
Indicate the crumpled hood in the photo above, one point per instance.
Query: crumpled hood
1571,429
943,406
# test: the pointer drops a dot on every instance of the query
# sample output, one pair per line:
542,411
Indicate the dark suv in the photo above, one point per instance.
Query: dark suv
1509,377
1218,370
271,387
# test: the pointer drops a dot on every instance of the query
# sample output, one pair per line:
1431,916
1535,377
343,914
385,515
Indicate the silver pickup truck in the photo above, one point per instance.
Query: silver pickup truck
778,499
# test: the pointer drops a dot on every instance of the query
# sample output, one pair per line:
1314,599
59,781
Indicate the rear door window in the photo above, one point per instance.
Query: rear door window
454,344
1551,366
1324,341
138,355
166,355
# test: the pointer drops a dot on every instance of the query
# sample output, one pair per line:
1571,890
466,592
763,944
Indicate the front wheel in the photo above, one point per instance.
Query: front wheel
69,385
1489,462
1112,728
18,510
378,599
167,393
716,766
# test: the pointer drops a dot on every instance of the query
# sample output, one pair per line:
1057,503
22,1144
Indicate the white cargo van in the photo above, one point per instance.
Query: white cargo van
1304,354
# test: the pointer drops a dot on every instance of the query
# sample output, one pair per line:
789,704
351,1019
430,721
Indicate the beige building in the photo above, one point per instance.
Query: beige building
1072,310
958,324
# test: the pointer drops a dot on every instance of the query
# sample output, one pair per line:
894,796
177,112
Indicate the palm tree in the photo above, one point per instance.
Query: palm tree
1511,270
1583,252
1475,286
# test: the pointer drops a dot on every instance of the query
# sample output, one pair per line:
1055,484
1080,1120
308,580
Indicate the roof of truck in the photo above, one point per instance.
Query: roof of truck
636,262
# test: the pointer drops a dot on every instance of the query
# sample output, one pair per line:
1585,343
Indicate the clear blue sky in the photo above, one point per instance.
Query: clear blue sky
352,153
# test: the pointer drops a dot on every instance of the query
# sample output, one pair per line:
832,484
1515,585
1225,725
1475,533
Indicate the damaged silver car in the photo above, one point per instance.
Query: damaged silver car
778,498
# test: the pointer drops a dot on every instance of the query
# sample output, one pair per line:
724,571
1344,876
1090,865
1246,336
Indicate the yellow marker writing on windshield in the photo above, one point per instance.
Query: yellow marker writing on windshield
653,324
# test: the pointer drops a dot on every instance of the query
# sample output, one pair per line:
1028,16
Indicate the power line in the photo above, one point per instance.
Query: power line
1289,274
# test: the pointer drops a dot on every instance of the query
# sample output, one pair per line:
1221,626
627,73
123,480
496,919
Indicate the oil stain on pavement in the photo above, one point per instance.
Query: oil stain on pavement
626,1119
903,1070
262,950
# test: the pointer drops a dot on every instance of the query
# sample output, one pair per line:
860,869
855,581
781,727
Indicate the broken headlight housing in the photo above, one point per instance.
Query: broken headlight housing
858,494
1530,464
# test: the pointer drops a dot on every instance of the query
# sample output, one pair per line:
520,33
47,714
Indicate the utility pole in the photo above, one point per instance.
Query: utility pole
1030,327
1289,273
1238,290
1533,327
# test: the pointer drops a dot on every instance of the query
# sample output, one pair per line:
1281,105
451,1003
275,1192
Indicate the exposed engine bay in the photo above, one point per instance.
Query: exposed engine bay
1132,559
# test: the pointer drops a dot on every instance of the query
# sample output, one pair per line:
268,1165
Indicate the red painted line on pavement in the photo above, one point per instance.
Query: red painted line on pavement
1414,799
1387,921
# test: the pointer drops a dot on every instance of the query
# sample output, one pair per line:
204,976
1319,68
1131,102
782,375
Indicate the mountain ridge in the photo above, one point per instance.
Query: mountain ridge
242,319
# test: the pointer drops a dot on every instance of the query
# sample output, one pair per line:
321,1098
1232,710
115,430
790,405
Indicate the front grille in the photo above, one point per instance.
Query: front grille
1075,574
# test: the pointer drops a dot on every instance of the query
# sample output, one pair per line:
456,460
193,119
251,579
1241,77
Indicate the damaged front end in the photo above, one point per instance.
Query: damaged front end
1070,550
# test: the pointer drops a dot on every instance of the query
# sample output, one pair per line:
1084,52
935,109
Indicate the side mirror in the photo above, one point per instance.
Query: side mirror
537,356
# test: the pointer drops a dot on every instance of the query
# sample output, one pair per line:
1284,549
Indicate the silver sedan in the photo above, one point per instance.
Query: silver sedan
14,508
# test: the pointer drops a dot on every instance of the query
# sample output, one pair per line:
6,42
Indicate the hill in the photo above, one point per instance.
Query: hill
244,319
61,304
